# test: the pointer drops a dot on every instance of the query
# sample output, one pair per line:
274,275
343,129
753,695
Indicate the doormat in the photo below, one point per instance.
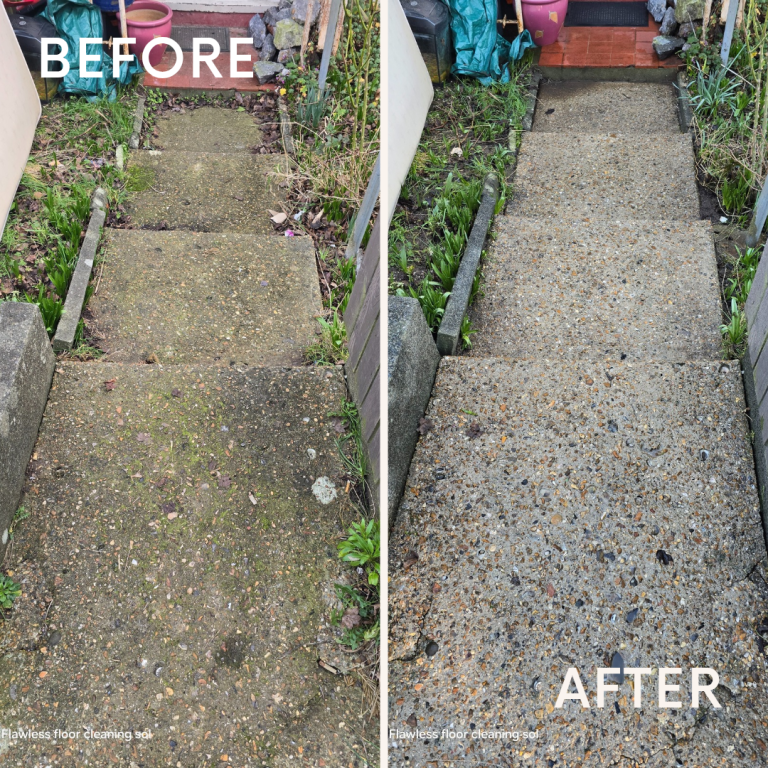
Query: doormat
591,14
184,36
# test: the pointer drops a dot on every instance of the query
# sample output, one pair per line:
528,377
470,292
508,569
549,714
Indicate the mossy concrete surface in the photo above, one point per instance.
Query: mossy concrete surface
205,191
208,129
190,297
173,567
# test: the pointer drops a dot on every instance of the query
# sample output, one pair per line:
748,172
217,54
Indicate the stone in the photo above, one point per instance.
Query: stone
26,370
288,54
257,29
283,4
300,9
689,10
273,15
666,46
288,34
687,29
266,71
668,23
268,50
412,362
657,8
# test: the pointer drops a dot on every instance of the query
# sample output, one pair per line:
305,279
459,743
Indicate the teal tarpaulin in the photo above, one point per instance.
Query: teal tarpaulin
75,19
481,51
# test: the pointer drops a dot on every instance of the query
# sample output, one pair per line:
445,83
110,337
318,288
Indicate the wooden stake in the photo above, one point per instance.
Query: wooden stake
325,15
307,27
123,24
724,11
705,23
740,14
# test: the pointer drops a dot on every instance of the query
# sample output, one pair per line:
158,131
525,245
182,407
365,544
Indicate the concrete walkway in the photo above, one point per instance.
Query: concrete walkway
177,566
588,488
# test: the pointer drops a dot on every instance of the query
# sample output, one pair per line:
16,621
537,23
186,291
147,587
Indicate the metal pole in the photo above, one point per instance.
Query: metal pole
365,212
730,24
330,36
759,216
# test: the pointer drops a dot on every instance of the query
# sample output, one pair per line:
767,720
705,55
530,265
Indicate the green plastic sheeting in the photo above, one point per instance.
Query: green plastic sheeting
481,51
75,19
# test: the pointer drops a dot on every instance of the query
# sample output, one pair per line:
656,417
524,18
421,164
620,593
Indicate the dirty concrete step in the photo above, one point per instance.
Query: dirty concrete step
611,177
208,129
178,568
198,297
204,191
530,543
597,289
581,106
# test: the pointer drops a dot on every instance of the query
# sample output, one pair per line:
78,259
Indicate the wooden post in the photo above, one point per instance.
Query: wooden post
307,27
123,24
758,217
705,23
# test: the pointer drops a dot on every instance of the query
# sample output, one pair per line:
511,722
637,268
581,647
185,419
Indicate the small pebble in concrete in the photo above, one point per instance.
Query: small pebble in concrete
324,490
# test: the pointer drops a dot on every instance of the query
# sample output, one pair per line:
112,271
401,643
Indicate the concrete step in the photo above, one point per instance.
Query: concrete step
606,176
525,544
581,106
194,297
208,129
188,564
600,290
204,191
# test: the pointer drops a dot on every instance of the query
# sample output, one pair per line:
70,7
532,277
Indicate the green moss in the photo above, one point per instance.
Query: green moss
139,178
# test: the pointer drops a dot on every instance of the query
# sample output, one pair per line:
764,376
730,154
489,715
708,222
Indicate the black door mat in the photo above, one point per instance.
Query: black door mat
591,14
184,36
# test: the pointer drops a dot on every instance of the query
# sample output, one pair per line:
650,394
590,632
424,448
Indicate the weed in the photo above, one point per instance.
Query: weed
735,330
466,332
357,616
361,548
9,592
331,347
350,444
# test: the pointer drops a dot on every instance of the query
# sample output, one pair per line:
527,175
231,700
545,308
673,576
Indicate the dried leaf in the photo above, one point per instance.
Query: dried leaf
338,425
425,425
110,384
144,437
351,618
410,559
474,430
176,392
224,481
278,217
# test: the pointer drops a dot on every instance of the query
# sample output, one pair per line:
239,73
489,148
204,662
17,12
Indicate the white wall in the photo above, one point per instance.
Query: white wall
21,110
409,95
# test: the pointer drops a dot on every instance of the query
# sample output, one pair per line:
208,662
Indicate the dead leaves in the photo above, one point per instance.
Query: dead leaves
109,385
410,559
351,618
278,217
474,430
144,437
425,425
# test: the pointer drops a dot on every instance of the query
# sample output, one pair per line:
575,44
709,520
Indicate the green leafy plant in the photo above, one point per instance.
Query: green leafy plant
735,330
361,548
357,616
331,348
10,591
350,444
466,332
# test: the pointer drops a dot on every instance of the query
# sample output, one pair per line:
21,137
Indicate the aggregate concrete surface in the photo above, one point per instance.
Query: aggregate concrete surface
190,297
586,496
218,130
205,191
532,548
611,176
596,289
178,563
578,107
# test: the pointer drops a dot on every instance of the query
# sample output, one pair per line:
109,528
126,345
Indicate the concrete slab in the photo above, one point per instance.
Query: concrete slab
187,566
208,129
600,290
606,176
204,191
26,368
525,544
583,106
192,297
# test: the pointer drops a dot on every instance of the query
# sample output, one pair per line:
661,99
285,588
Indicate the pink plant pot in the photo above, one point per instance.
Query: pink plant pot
542,18
146,20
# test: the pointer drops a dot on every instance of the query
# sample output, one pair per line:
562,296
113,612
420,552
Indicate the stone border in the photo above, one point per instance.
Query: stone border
449,333
73,305
758,450
684,111
285,127
532,99
138,120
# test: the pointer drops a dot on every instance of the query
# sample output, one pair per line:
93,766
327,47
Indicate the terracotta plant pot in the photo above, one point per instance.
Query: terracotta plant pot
543,19
146,20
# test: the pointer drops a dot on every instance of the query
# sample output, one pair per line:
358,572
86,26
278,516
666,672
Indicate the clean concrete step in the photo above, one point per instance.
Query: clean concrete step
580,106
598,290
607,176
176,544
525,550
196,297
208,129
205,191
